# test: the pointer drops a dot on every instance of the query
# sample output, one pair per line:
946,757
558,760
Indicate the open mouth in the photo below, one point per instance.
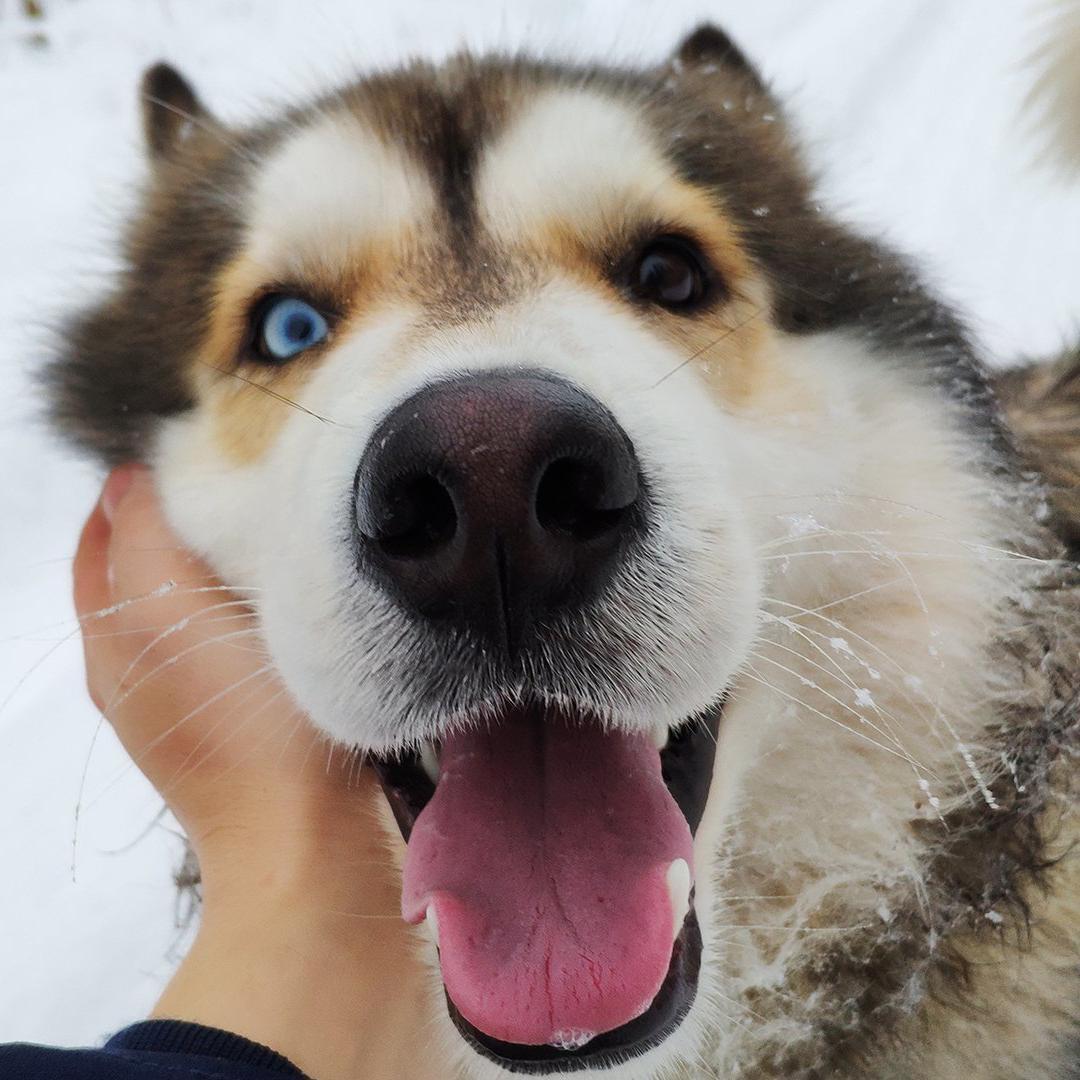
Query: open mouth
552,860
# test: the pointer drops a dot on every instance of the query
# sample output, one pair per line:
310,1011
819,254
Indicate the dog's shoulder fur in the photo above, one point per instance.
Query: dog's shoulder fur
1041,402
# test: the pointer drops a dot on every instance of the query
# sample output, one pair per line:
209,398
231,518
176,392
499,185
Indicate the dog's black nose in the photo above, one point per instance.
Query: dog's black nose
495,499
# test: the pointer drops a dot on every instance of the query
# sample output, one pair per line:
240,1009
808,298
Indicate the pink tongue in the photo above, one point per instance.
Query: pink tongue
545,851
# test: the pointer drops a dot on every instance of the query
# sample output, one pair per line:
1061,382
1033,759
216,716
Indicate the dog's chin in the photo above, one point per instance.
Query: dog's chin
531,989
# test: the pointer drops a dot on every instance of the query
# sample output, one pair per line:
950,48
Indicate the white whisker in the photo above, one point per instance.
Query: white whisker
759,678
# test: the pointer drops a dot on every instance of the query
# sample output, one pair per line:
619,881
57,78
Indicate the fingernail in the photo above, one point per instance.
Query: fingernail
116,486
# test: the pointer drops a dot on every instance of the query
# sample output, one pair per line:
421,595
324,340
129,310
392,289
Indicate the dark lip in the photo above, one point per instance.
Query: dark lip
687,767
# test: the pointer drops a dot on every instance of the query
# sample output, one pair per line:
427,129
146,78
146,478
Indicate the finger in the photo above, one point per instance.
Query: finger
93,595
149,563
143,549
90,572
92,579
146,667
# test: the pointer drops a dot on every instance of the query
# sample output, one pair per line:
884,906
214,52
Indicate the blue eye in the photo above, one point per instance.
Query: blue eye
286,326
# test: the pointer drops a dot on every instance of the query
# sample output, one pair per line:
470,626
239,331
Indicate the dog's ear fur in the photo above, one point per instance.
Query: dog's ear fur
171,111
708,44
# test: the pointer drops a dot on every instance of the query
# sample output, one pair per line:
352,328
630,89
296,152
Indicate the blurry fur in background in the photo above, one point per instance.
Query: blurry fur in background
1042,400
1054,101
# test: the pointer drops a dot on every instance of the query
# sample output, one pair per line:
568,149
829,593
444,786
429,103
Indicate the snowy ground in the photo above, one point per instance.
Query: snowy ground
911,109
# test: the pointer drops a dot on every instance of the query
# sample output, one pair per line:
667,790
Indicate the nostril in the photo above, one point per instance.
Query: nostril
582,499
414,519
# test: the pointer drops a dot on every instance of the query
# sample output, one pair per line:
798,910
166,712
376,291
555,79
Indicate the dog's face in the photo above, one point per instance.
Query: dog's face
513,395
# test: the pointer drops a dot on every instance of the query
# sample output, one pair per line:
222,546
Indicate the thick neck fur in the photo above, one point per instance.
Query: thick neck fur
910,708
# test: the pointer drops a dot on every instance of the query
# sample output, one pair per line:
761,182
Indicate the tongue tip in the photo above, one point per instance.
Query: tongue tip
557,990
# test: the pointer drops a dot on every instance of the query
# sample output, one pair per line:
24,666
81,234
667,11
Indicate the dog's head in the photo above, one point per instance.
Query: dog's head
513,393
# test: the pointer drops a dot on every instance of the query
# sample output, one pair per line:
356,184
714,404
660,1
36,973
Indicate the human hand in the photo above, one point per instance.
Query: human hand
175,663
300,945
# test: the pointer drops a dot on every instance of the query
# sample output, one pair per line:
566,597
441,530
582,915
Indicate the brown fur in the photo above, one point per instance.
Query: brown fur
1042,405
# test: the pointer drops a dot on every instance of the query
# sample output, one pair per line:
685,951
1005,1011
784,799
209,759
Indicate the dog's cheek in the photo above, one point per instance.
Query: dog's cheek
218,508
257,524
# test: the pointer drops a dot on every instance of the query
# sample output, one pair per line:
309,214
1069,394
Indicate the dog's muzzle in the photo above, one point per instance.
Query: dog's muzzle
506,515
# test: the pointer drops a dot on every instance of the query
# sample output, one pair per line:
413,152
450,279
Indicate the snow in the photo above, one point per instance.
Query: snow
912,111
801,525
864,698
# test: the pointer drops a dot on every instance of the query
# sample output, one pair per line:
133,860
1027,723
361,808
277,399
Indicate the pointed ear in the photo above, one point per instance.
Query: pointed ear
708,44
171,111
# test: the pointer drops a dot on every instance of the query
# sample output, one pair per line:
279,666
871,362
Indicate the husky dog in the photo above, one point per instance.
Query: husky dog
659,539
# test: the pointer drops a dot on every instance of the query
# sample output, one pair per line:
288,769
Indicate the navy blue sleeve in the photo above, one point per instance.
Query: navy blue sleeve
152,1050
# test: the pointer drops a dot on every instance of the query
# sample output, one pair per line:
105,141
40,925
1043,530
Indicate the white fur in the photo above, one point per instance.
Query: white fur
325,191
306,577
569,157
846,712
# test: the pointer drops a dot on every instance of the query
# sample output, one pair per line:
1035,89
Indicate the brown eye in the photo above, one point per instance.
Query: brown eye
671,272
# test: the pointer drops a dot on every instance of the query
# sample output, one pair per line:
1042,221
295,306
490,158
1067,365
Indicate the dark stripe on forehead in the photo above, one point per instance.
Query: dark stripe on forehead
441,118
450,151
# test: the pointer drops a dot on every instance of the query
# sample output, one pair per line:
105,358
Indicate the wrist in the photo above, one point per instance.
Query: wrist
334,989
301,946
303,849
